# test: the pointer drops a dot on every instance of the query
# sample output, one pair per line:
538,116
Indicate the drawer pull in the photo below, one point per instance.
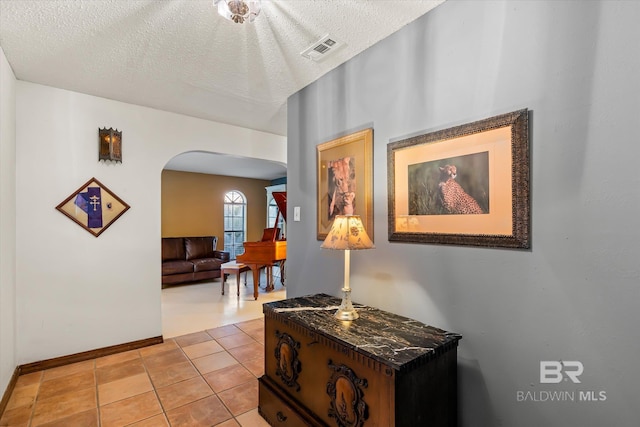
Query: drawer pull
281,417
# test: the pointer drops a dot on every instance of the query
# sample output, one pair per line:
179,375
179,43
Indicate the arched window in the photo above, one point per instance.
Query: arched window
235,223
273,211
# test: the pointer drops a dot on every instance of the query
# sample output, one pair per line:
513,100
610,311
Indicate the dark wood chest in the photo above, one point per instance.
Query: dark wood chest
381,370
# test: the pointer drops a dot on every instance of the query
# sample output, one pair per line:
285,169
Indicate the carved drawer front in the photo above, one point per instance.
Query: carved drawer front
340,386
276,411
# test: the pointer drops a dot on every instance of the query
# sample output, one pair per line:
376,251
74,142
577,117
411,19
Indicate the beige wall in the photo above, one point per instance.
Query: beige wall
192,204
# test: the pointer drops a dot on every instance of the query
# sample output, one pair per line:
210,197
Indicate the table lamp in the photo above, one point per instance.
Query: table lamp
347,233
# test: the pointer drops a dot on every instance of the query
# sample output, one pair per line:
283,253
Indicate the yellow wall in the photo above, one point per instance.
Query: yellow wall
192,204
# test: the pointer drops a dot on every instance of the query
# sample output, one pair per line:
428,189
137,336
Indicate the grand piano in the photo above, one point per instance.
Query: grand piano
269,251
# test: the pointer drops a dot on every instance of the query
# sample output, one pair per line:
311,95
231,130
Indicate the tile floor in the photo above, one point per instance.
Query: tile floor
200,375
200,306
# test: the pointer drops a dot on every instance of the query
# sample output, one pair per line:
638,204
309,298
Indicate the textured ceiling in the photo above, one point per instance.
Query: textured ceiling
181,56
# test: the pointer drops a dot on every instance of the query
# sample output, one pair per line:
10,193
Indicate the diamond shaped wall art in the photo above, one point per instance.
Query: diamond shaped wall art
93,206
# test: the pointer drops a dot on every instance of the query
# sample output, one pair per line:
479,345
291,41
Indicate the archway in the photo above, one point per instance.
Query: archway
193,185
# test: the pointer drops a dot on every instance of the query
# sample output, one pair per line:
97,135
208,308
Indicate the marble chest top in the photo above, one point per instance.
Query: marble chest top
396,341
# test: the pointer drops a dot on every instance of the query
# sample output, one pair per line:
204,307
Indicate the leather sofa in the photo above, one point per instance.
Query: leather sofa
189,259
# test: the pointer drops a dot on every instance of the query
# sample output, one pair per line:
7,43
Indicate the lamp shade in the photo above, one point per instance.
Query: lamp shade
347,232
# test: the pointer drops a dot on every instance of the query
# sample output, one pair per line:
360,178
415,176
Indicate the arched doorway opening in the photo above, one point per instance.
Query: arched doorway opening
192,204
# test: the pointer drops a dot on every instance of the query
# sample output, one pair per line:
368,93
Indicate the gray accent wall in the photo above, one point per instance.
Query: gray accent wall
575,295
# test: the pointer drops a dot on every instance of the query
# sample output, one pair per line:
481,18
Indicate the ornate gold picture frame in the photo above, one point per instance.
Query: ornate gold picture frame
345,180
466,185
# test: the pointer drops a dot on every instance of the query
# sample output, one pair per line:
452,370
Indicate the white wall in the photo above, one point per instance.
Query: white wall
7,222
76,292
576,294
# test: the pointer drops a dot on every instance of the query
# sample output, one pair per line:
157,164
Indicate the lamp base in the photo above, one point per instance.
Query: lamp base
346,310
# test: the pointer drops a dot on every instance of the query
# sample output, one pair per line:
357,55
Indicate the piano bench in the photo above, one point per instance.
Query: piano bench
236,268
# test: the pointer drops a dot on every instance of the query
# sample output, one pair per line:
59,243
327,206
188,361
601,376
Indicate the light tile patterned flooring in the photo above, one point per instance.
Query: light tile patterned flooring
201,306
203,378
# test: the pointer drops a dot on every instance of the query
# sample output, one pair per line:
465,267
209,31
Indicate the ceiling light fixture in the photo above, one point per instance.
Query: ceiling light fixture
238,10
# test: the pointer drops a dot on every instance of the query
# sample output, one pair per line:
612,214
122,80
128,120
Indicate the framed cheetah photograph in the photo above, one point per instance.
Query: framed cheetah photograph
466,185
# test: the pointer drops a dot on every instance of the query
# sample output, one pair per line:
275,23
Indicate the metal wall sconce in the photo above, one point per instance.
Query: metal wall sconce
110,144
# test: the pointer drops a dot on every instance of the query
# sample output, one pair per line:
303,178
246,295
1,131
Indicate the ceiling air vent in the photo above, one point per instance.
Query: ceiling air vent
322,48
